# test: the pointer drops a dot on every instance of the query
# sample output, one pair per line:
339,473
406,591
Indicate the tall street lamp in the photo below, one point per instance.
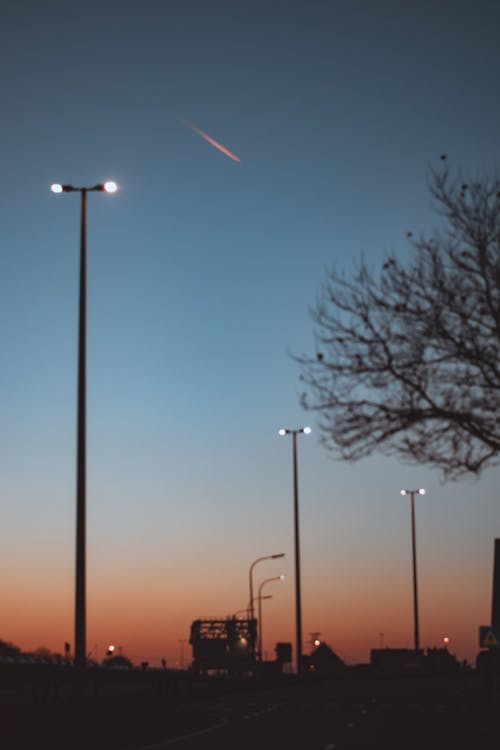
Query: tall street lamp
260,598
412,493
80,616
298,610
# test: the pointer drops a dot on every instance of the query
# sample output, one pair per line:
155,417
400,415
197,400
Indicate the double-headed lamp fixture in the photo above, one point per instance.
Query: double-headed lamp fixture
104,187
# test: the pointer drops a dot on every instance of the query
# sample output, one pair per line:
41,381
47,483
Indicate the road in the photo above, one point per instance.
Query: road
391,714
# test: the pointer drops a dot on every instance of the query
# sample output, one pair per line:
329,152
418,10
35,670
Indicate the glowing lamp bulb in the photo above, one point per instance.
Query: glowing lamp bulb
56,188
282,432
421,491
307,430
110,186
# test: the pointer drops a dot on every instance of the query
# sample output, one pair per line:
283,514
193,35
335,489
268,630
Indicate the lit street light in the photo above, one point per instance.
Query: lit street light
251,613
80,599
260,598
298,610
412,493
250,576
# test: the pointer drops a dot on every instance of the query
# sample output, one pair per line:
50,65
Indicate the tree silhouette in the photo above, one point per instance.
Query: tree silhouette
118,661
408,360
10,650
44,653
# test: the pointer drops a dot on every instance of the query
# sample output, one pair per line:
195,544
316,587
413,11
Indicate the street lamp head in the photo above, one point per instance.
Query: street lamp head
421,491
402,492
280,554
282,431
306,430
110,186
106,187
282,577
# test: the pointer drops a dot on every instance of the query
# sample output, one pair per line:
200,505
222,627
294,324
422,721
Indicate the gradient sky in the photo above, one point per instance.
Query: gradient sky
200,274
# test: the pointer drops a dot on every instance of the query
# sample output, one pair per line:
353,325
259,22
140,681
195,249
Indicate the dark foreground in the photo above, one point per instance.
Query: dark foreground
399,713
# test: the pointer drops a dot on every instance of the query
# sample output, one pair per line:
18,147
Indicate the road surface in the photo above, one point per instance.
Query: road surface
391,714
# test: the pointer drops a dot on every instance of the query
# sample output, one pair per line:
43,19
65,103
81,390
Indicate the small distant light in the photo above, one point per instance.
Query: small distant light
317,642
282,432
110,186
421,491
111,649
446,639
307,430
56,188
282,576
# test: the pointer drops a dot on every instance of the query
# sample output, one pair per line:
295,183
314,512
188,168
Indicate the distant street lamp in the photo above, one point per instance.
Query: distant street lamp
298,609
80,599
412,493
260,598
251,614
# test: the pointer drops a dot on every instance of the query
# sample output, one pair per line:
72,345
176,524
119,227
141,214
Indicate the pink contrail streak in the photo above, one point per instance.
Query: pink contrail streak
212,142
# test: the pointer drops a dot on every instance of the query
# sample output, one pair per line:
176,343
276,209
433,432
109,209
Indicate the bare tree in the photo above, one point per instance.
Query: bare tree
408,360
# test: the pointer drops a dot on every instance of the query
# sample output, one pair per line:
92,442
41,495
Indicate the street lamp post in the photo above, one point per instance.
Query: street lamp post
298,609
80,600
412,494
251,613
259,599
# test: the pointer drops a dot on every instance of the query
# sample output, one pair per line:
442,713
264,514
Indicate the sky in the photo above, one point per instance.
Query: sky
201,273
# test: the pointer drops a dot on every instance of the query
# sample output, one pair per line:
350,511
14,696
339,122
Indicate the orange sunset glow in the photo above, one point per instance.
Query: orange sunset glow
145,598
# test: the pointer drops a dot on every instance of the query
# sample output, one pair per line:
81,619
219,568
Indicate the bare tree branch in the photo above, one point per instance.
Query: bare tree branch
408,361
